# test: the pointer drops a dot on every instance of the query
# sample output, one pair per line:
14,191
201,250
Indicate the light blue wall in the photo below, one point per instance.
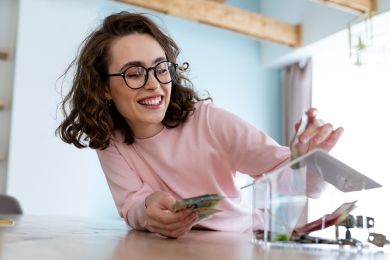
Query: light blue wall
53,178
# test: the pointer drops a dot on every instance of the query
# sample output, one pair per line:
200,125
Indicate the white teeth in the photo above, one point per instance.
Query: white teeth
152,101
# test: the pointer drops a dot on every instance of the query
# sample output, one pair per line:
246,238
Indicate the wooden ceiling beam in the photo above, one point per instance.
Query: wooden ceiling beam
226,17
355,6
218,1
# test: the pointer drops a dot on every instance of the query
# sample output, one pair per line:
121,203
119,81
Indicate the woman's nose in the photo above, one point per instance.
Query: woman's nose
151,80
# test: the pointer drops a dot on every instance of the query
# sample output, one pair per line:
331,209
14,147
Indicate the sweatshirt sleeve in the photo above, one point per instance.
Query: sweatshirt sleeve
248,149
128,190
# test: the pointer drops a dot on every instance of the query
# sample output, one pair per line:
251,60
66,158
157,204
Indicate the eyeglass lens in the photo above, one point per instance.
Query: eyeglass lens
136,76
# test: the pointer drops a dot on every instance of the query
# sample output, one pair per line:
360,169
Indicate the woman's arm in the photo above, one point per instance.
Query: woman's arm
141,206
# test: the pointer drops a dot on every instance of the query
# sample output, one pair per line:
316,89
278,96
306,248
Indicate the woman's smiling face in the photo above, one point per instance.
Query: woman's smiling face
143,108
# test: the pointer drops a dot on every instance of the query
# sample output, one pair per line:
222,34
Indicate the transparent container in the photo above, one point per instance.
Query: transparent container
311,201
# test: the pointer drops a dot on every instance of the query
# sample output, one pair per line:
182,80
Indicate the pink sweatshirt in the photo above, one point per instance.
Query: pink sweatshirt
200,156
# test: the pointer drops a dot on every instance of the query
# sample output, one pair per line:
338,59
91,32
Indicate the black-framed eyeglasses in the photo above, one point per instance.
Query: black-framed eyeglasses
136,76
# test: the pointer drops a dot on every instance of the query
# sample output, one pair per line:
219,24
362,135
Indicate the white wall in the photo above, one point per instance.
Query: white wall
50,177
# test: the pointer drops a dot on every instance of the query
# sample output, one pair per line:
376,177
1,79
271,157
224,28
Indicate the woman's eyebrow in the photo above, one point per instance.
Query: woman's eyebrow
131,63
162,58
139,63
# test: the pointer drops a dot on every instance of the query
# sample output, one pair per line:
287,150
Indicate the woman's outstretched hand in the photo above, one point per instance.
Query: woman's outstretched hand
160,218
316,134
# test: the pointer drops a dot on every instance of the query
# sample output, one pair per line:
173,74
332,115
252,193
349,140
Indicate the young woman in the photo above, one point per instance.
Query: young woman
156,139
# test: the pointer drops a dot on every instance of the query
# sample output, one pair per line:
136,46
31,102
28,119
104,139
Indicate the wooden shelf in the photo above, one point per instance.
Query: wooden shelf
3,53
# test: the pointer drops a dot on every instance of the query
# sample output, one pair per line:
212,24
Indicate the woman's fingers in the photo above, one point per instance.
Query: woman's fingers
312,114
161,212
159,199
317,134
175,233
172,224
322,134
316,127
169,220
332,139
162,220
324,137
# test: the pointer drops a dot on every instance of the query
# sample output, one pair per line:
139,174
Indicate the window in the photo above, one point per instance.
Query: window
358,98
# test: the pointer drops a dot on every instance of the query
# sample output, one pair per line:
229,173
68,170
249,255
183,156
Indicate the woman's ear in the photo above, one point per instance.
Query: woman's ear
107,93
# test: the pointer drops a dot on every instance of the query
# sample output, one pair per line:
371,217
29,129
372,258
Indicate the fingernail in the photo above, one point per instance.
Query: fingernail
304,139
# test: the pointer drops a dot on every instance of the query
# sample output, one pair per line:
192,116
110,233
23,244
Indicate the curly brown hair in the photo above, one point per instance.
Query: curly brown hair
91,122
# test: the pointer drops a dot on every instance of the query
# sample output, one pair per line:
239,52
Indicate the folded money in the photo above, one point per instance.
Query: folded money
328,220
203,206
302,127
203,213
203,201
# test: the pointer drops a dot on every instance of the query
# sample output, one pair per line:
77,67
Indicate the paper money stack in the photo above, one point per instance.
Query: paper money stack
204,205
294,152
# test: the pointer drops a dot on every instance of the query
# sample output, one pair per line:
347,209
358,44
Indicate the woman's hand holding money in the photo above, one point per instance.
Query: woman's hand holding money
160,219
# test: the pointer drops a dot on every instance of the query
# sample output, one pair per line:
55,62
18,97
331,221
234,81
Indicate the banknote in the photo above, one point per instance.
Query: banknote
328,220
302,127
204,213
294,152
204,206
203,201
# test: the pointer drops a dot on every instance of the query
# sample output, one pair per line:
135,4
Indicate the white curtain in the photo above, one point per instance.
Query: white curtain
297,94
